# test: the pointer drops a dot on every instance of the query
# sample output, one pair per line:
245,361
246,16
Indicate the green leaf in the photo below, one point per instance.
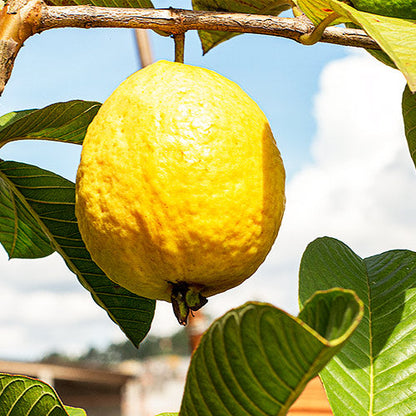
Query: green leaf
64,122
168,414
396,37
409,118
211,38
20,233
104,3
376,53
24,396
375,373
75,411
318,10
257,359
50,200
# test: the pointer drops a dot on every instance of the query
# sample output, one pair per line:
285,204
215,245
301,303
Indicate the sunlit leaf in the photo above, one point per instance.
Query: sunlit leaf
50,201
257,359
396,37
24,396
318,10
64,122
168,414
75,411
375,373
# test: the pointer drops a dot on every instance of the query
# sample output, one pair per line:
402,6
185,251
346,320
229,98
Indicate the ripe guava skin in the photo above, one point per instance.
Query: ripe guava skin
404,9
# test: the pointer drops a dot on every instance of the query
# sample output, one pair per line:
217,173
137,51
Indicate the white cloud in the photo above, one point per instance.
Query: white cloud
44,308
27,275
359,188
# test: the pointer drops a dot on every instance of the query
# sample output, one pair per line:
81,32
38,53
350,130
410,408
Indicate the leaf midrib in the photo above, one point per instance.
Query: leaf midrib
301,385
370,336
16,224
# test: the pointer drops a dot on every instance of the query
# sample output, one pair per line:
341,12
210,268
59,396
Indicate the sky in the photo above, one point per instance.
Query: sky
335,113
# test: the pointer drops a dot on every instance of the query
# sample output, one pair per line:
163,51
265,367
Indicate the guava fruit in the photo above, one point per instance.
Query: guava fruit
180,188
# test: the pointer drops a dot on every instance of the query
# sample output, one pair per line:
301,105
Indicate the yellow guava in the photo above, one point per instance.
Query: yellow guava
180,188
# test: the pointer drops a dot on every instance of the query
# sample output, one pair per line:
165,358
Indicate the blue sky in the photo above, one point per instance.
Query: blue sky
63,64
335,113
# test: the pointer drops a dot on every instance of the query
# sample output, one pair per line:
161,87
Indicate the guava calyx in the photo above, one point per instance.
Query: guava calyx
185,298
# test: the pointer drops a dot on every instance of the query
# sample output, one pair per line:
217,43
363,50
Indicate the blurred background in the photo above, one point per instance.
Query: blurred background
336,115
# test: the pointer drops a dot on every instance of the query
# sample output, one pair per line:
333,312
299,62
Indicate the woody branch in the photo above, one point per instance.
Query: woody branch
22,18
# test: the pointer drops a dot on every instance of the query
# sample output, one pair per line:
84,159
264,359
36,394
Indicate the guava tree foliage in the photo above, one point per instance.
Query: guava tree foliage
355,328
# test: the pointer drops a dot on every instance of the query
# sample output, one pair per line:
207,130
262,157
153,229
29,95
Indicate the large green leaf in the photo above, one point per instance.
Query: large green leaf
318,10
396,37
375,373
50,201
257,359
24,396
75,411
20,234
168,414
64,122
211,38
409,118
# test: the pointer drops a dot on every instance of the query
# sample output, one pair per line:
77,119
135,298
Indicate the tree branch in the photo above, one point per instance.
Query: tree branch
22,18
179,21
18,20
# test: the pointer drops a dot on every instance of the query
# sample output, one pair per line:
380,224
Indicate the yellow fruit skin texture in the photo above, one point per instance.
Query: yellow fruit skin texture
180,180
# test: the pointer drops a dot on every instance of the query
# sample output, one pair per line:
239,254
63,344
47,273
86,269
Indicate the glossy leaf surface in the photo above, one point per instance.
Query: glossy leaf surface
257,359
24,396
375,373
75,411
65,122
168,414
396,37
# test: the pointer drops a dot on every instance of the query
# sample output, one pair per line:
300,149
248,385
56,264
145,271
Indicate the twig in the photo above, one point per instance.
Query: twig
22,18
178,20
18,20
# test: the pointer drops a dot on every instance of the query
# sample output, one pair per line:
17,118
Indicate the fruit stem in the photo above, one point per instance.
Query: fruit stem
179,39
185,298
